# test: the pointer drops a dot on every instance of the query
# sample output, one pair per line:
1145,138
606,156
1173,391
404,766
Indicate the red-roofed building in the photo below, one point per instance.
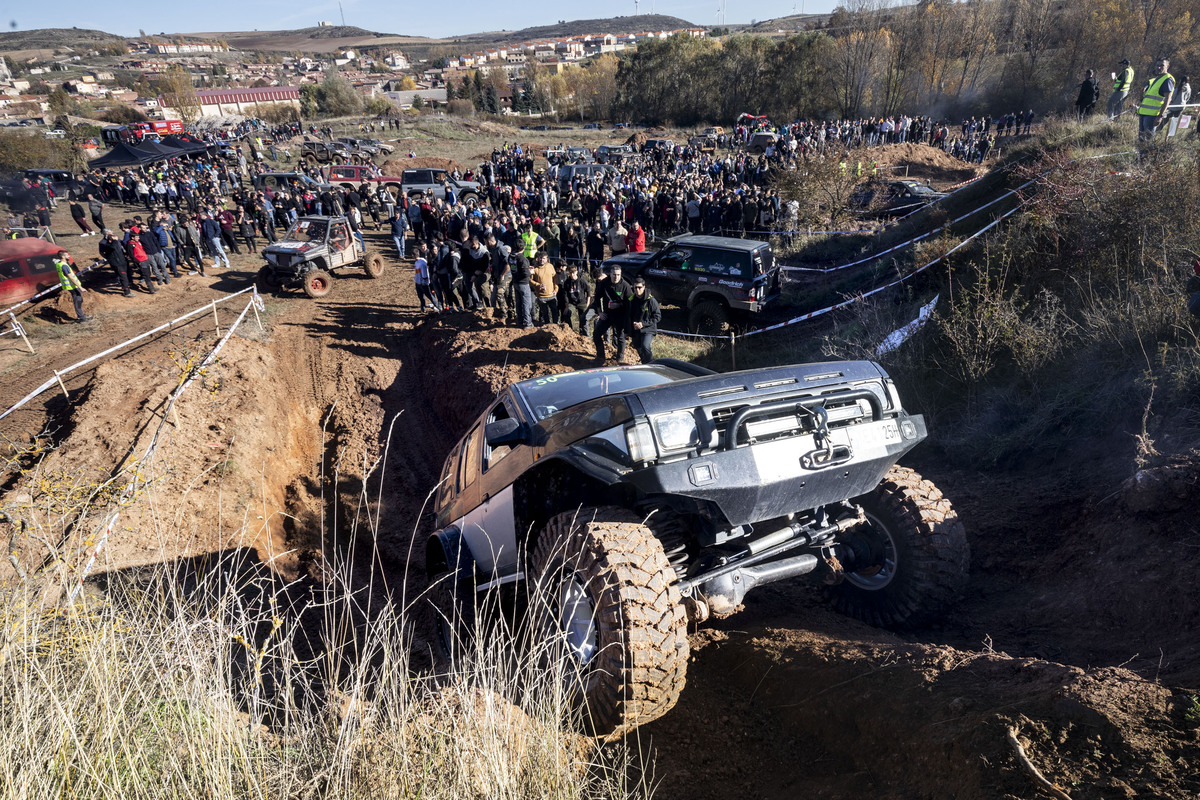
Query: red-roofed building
240,101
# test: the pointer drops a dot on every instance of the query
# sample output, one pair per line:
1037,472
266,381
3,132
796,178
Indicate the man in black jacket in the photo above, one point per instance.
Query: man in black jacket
112,252
611,302
574,297
1089,93
644,316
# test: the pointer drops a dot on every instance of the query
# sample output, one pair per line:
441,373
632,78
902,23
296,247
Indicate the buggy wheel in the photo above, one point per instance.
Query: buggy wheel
918,552
267,282
709,317
607,617
317,283
373,264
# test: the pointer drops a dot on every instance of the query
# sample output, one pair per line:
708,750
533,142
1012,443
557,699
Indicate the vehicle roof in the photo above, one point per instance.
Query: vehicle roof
723,242
28,246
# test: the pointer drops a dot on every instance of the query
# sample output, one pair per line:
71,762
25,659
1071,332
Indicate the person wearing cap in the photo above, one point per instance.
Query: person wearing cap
69,282
1121,85
644,316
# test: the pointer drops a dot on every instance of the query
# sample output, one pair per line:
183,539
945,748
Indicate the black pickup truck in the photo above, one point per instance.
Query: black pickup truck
621,502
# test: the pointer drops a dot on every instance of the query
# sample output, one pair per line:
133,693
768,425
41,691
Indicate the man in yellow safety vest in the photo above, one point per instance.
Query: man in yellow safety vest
1155,99
1122,81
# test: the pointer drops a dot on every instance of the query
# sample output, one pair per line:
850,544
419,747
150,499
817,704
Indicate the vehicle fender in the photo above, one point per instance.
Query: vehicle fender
447,551
703,293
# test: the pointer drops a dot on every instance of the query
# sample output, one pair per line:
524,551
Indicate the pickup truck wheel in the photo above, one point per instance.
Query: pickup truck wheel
709,317
317,283
470,199
453,609
607,616
921,551
373,264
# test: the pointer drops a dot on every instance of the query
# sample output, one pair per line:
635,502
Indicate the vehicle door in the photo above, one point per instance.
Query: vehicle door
671,274
340,250
42,271
14,286
723,272
343,175
489,526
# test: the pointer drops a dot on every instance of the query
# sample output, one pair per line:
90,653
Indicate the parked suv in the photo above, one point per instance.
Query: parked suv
291,181
572,173
713,277
614,153
434,181
311,251
624,502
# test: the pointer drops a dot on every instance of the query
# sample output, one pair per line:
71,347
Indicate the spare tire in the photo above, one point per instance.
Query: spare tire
373,264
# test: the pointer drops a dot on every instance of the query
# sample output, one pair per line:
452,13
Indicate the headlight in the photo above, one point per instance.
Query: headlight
677,431
641,442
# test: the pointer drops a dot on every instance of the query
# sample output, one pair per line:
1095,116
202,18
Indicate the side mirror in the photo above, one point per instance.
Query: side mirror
503,432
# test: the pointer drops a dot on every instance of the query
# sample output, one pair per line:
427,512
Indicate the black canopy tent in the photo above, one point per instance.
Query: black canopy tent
159,151
187,146
126,155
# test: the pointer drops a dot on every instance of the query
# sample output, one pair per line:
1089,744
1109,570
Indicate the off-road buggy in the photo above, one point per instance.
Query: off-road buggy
309,254
622,502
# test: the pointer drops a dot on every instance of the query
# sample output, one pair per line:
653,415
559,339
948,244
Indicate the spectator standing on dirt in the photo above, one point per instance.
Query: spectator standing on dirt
1028,122
226,221
644,317
96,209
70,283
112,252
135,254
518,267
160,228
545,292
421,278
77,214
611,302
594,245
155,259
1121,85
501,276
210,230
1089,94
399,224
616,237
574,297
1156,96
247,228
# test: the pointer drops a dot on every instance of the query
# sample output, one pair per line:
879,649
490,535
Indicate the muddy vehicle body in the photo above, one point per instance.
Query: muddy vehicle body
718,279
892,197
622,502
311,252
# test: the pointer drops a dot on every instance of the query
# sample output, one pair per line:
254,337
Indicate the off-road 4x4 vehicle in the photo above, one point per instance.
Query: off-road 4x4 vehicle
713,277
434,181
309,253
623,502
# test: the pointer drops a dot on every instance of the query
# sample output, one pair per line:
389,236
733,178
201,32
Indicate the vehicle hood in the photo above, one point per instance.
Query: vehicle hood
740,388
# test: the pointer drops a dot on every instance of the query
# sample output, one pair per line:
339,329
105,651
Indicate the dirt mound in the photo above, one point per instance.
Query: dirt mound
885,718
924,163
637,139
471,359
393,165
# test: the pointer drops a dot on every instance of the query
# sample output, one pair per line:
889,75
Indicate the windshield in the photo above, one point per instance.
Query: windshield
919,188
307,230
552,394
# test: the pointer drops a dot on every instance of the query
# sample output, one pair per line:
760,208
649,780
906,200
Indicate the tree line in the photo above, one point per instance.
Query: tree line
945,58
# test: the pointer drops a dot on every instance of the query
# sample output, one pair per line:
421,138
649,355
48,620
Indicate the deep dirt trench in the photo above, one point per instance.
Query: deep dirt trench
321,441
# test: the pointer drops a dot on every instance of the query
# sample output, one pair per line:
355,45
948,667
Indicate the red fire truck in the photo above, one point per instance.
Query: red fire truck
140,130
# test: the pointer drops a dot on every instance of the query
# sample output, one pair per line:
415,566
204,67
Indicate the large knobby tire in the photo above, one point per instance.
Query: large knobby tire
454,608
373,264
605,611
317,283
709,317
923,547
267,281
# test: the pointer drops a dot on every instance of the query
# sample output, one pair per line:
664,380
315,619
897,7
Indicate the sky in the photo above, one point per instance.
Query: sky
416,19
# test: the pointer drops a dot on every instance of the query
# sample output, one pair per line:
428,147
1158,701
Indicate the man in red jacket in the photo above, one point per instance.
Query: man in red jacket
635,240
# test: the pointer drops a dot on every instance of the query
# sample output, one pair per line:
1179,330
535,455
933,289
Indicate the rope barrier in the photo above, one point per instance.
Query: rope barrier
130,489
58,375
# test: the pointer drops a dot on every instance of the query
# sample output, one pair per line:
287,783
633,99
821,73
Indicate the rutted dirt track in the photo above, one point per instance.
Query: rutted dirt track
1078,632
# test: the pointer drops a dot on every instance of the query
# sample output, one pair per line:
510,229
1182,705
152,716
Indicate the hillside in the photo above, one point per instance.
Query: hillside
579,27
311,40
788,24
56,38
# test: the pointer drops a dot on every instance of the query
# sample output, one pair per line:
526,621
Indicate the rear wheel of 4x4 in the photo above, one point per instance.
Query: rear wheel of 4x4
317,283
373,264
607,615
920,552
709,317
